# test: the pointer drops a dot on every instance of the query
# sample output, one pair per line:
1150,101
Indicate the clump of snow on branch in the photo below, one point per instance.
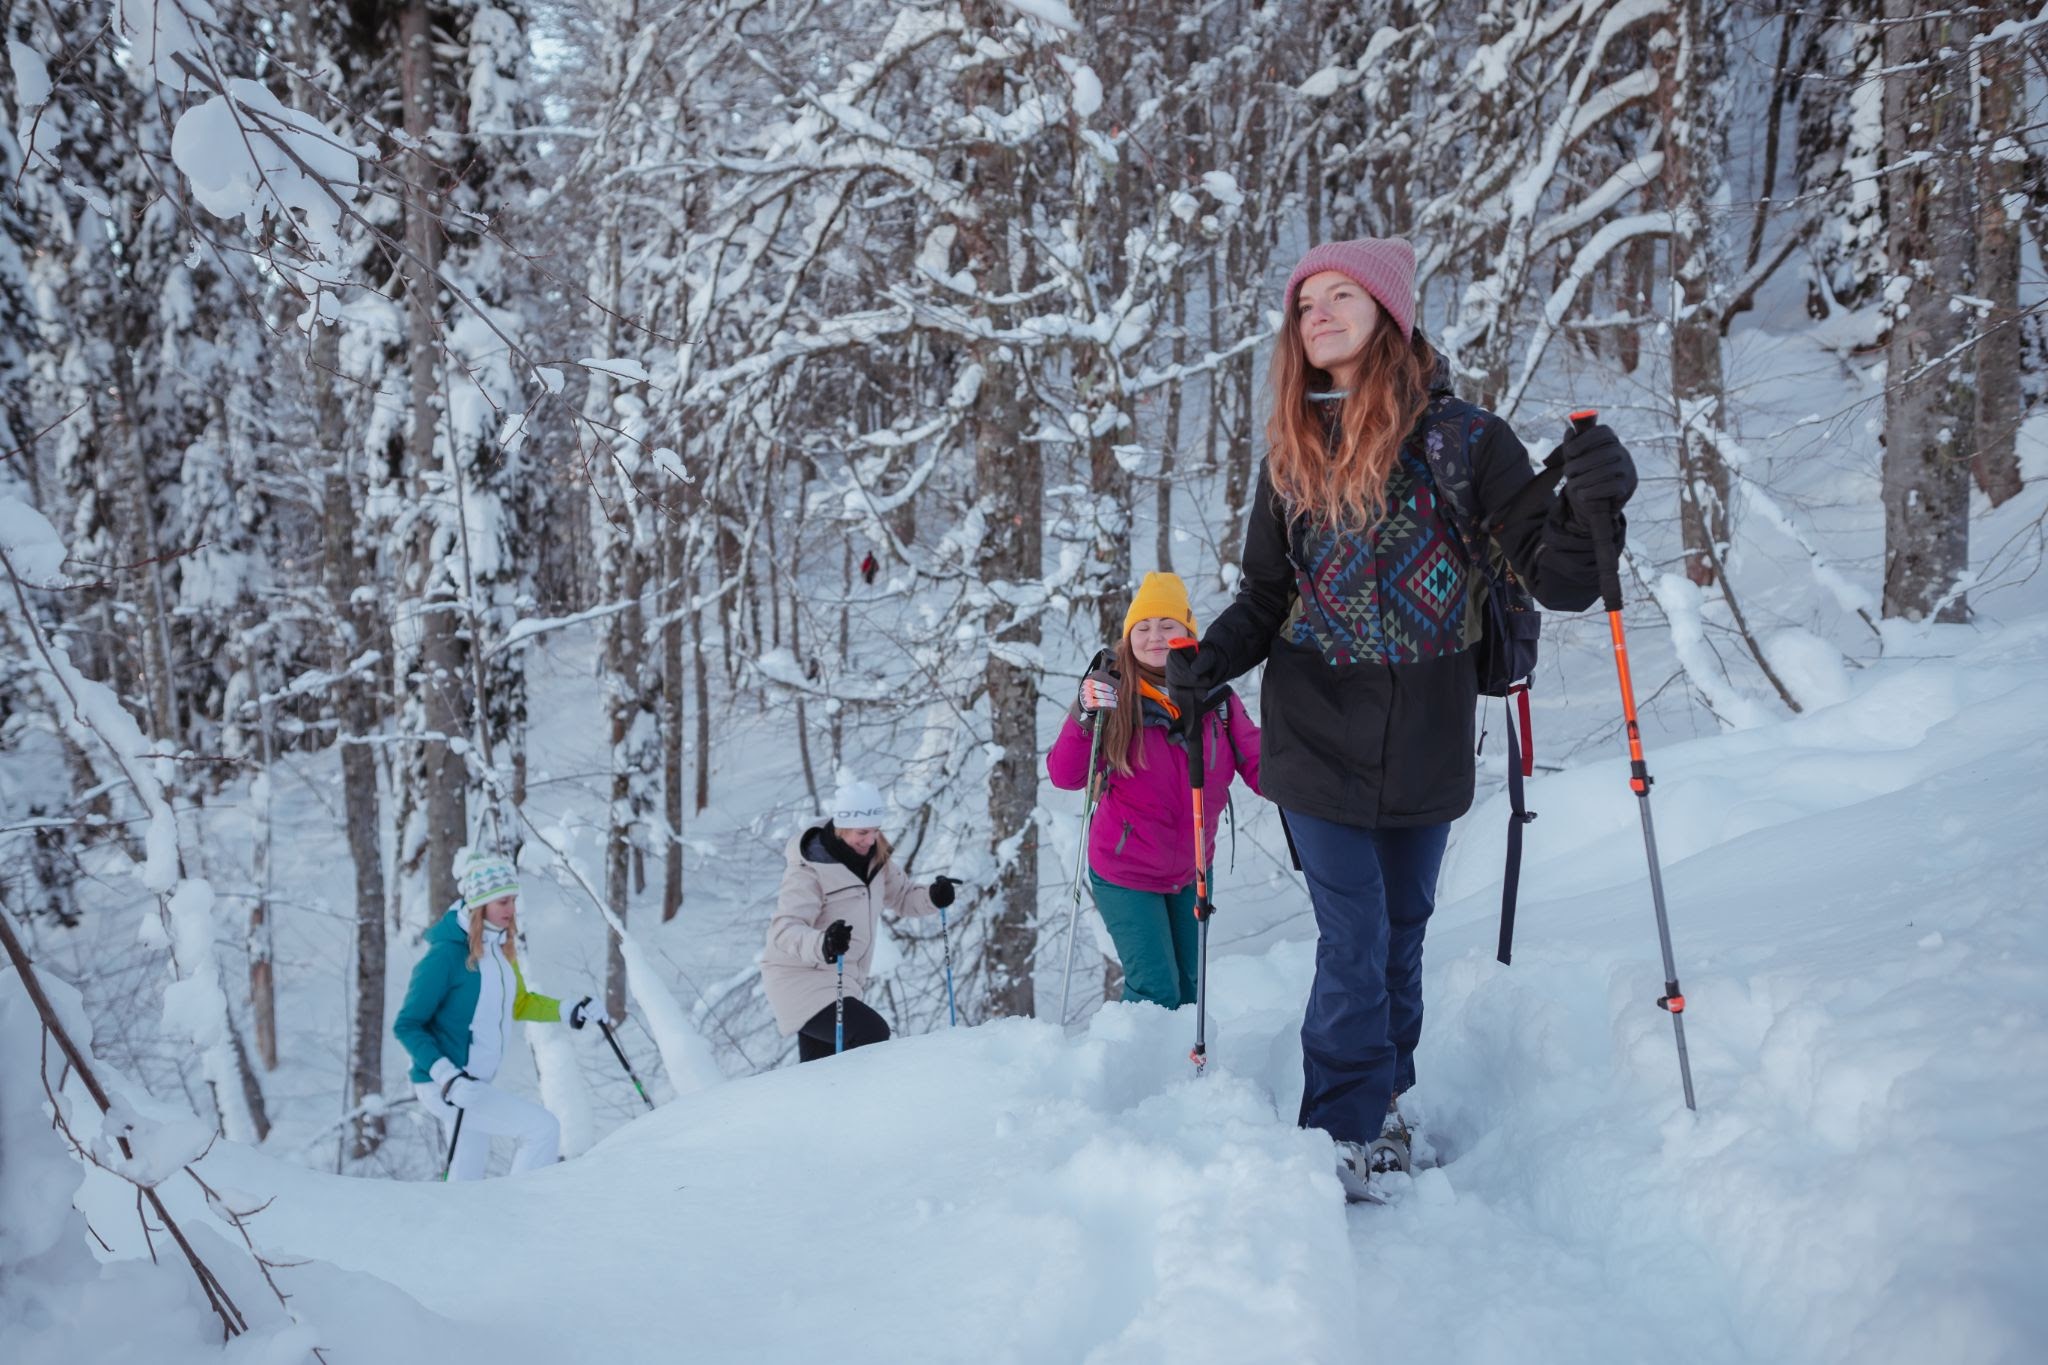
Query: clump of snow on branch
249,156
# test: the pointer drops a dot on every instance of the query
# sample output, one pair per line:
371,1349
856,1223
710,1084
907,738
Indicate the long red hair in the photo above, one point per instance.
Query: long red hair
1340,479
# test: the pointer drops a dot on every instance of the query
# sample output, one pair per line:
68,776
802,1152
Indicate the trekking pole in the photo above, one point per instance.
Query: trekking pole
1081,857
1204,908
1673,999
839,1010
620,1053
946,946
449,1165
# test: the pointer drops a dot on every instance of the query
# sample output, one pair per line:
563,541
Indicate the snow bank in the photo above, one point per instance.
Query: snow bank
60,1306
1854,903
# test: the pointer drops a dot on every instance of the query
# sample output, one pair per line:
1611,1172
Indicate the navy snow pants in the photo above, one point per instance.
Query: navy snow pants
1373,890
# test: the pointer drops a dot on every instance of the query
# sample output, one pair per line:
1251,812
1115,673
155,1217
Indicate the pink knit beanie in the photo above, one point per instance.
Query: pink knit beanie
1383,266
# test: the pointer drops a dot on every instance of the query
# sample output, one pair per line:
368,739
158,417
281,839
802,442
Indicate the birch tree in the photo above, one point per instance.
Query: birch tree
1930,384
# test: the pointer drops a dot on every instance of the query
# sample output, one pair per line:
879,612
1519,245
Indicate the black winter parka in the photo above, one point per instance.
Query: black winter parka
1374,744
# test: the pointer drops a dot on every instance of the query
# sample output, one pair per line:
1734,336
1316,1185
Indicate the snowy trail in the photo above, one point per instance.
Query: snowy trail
991,1185
1857,915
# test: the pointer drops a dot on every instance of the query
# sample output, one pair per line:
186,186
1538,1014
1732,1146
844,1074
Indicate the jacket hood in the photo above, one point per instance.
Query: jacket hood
448,929
1439,380
812,846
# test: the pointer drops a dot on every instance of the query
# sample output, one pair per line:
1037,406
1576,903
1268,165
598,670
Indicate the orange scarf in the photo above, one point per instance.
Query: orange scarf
1146,689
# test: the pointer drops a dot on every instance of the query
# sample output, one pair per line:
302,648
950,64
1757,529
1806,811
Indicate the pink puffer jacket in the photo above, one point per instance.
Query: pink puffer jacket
1143,835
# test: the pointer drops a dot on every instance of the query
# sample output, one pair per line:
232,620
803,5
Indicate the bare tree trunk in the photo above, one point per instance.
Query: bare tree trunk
673,680
1691,72
1010,554
846,644
1641,264
252,1089
1110,483
344,571
703,791
1169,447
262,975
2001,170
803,718
262,985
1930,390
1012,551
1784,84
441,659
626,701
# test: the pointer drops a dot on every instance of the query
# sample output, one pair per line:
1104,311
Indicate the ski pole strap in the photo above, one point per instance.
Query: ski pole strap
1604,555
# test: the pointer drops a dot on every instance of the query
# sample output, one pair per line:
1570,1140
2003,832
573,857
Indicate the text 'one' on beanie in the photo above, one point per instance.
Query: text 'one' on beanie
858,805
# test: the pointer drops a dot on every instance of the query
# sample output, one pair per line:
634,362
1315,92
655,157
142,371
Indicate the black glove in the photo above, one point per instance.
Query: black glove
1191,675
942,891
838,938
577,1018
1598,471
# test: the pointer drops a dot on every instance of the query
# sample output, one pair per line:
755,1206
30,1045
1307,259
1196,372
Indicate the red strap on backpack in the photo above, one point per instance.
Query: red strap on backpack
1520,691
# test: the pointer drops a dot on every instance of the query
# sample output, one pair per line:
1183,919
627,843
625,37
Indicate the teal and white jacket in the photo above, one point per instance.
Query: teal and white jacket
461,1012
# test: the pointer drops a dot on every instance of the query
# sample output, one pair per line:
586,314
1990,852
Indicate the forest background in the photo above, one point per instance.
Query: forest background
589,428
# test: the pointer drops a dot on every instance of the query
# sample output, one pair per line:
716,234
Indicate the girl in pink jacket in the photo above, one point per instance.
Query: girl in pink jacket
1141,845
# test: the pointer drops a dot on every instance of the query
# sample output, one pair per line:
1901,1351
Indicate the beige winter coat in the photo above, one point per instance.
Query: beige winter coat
817,889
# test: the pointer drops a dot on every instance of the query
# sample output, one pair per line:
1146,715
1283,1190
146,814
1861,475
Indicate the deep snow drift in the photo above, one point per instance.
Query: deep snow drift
1857,910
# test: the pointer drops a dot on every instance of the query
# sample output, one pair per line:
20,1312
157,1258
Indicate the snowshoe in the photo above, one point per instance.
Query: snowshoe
1364,1169
1419,1153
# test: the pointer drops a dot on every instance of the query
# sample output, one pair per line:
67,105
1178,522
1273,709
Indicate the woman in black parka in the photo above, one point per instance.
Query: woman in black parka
1354,593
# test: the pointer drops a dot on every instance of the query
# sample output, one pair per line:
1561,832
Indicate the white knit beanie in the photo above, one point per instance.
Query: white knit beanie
858,805
481,878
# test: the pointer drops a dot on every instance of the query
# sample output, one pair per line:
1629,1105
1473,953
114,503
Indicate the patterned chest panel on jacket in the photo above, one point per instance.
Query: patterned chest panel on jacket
1394,593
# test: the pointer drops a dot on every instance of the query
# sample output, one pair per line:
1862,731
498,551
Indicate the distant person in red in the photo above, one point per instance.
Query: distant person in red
1354,594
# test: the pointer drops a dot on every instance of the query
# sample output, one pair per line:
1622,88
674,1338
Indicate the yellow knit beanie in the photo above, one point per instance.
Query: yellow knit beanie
1161,594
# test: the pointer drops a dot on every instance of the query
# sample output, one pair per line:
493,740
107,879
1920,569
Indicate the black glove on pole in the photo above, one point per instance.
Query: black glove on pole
942,891
838,938
1598,470
1187,681
1601,518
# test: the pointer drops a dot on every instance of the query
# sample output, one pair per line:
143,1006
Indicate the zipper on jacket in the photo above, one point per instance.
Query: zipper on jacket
1120,839
504,1029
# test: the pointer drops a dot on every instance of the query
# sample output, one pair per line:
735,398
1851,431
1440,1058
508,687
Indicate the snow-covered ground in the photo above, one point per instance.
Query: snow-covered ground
1857,908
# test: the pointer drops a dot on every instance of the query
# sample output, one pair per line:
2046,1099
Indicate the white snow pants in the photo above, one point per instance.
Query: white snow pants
491,1112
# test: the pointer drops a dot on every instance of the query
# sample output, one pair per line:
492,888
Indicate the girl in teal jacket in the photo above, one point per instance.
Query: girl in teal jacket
457,1018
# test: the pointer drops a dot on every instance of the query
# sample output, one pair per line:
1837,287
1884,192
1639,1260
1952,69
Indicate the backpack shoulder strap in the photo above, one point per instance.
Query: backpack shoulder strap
1223,715
1446,449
